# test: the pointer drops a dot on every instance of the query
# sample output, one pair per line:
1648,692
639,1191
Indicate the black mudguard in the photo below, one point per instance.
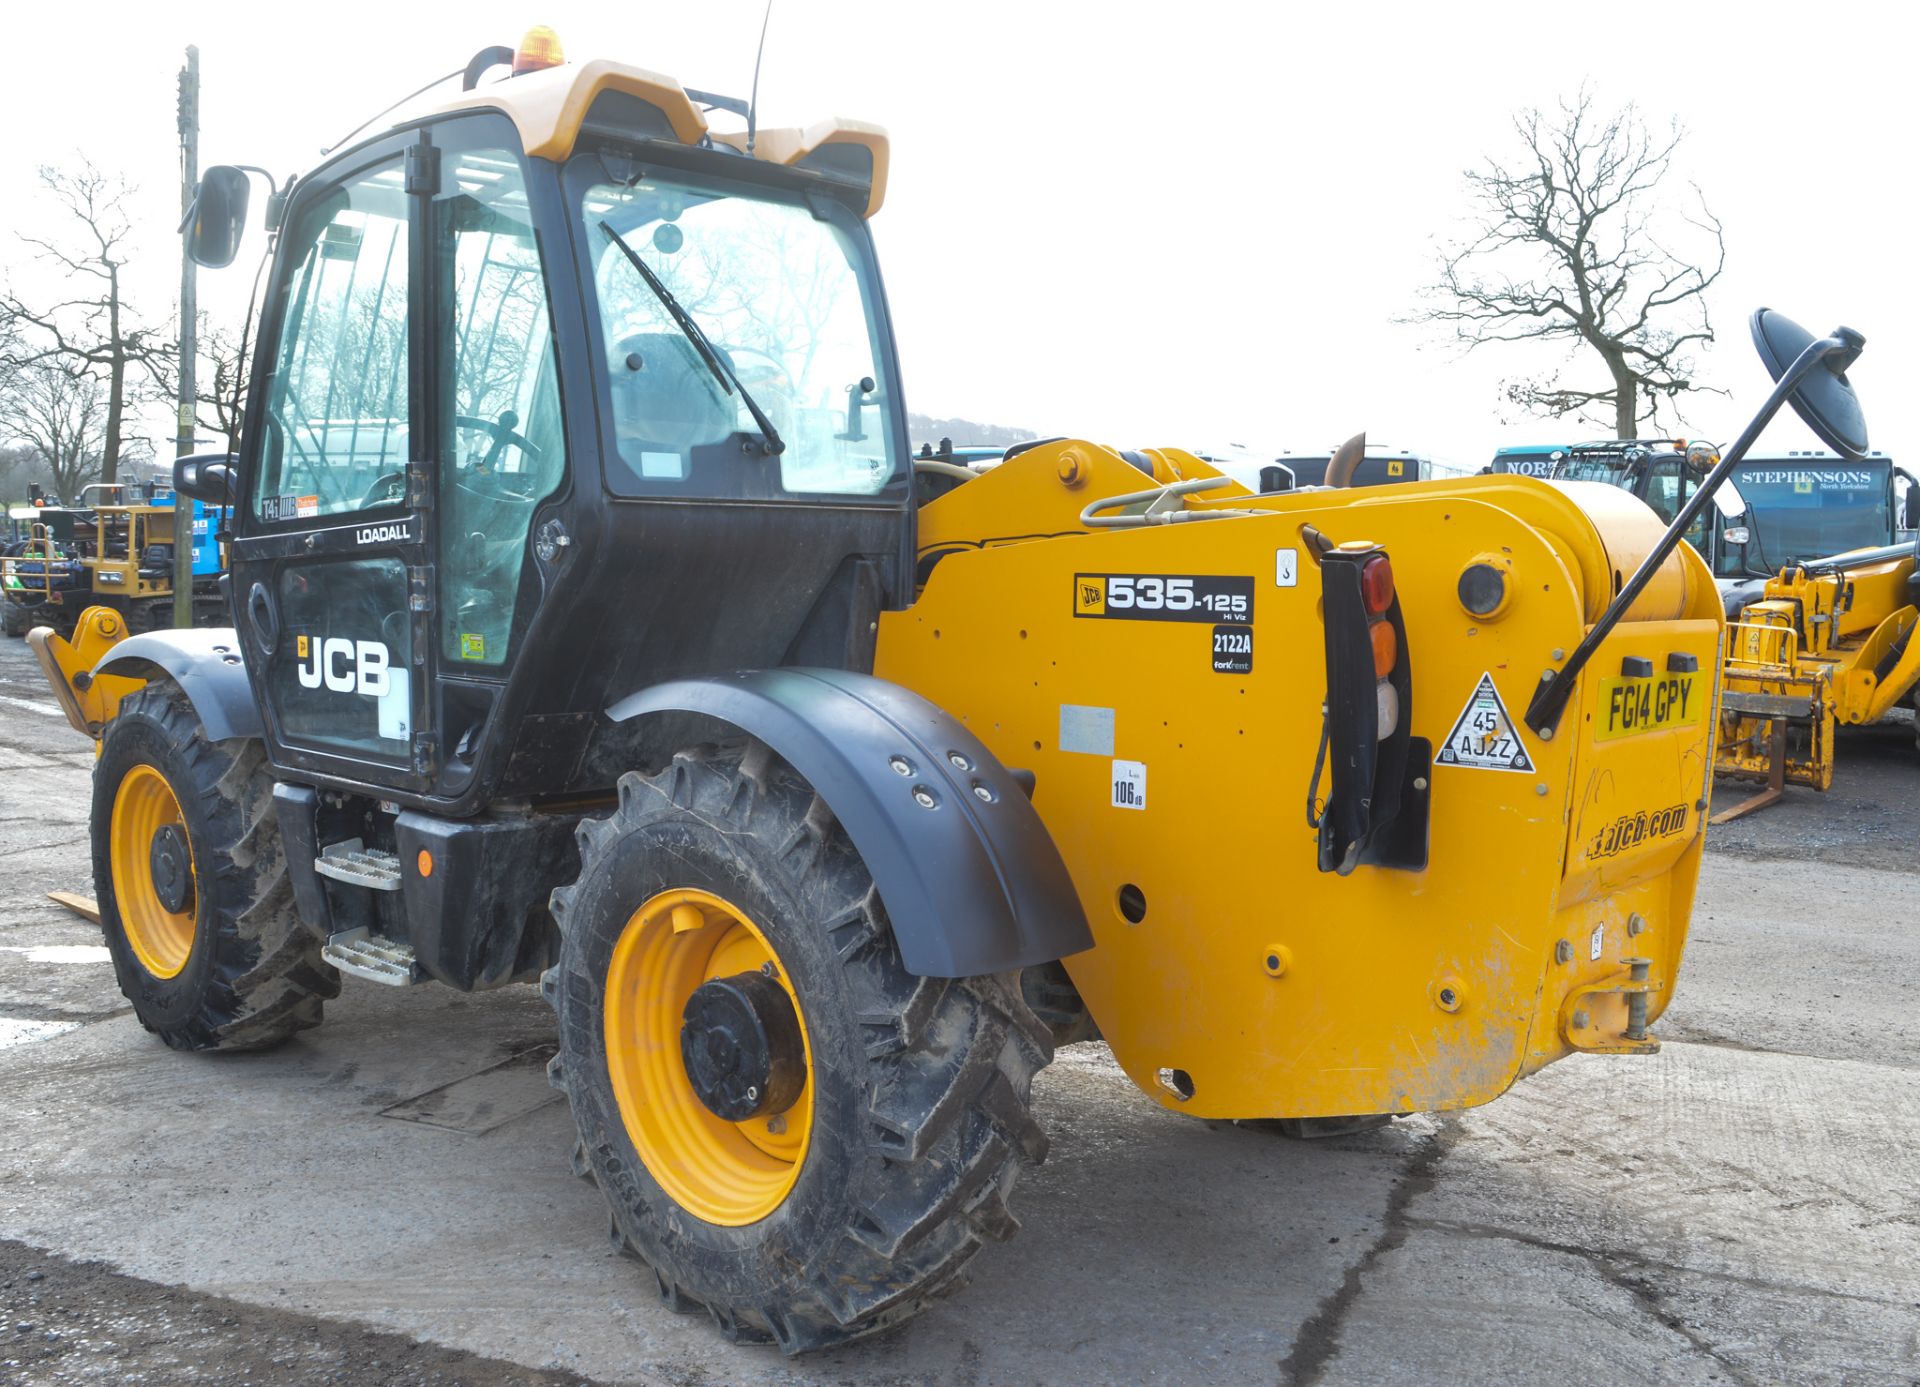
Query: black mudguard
973,883
206,664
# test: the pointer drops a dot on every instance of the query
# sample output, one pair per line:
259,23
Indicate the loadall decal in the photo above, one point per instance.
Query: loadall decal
1163,597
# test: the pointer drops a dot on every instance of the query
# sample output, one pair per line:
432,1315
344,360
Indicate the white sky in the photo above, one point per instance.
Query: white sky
1186,224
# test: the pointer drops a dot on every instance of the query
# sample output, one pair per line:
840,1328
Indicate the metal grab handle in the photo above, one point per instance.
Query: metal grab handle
266,626
1160,510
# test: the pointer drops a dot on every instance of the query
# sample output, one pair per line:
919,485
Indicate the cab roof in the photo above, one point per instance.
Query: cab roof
551,108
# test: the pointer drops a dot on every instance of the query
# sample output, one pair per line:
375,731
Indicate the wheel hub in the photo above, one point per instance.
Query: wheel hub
168,862
741,1042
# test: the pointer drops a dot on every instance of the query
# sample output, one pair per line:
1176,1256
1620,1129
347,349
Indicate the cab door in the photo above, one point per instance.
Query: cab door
332,542
405,436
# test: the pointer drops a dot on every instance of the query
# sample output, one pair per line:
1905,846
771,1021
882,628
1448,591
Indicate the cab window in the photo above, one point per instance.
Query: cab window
789,300
336,409
503,449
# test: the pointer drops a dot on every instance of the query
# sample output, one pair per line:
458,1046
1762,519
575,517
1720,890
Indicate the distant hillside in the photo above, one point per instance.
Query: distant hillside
924,429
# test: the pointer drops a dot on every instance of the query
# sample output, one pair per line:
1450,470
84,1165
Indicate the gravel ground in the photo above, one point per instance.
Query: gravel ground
1871,817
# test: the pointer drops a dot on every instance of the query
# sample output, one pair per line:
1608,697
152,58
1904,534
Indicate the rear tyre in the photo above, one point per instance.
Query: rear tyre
152,614
14,618
192,882
852,1197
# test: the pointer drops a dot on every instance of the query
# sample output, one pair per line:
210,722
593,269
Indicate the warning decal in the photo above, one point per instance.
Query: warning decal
1484,736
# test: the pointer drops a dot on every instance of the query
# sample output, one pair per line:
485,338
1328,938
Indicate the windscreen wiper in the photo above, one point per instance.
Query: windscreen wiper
772,445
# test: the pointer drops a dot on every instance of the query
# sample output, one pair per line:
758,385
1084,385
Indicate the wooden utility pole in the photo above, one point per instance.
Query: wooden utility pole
189,311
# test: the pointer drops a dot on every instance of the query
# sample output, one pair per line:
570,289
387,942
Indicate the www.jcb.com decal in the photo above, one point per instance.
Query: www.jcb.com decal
344,666
1631,830
1163,596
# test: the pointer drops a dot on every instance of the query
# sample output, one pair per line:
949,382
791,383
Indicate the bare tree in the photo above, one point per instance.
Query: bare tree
59,415
93,331
220,382
1573,248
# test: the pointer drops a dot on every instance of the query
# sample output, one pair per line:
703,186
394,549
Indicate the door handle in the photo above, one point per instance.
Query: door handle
260,615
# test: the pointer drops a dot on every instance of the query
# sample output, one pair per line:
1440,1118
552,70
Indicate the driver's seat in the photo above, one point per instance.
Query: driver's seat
664,395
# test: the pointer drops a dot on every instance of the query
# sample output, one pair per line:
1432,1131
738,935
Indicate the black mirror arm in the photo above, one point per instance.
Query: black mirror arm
1556,686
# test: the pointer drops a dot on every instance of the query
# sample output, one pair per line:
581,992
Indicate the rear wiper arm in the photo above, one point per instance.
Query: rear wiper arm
689,329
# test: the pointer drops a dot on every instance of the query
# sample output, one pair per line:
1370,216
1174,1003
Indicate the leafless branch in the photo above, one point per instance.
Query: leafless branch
1570,245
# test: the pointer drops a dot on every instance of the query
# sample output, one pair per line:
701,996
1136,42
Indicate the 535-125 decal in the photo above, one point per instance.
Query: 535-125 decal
1163,597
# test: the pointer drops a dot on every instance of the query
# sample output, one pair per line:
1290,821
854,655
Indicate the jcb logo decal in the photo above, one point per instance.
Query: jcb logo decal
344,666
1090,596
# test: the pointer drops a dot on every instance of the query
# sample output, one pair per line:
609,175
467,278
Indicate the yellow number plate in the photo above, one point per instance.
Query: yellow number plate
1651,704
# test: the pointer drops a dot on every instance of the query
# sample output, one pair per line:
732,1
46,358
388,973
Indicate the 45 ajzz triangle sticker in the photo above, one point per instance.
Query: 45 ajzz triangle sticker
1484,736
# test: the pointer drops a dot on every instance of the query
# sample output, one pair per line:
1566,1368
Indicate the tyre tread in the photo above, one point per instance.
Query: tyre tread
951,1066
266,979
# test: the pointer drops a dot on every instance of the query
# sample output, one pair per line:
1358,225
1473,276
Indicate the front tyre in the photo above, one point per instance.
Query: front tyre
792,1131
192,882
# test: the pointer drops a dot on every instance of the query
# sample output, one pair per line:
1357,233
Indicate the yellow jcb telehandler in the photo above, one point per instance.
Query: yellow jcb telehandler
586,630
1830,642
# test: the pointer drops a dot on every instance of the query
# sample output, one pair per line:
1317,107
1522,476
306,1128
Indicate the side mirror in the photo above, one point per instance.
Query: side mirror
1736,535
205,477
218,217
1824,398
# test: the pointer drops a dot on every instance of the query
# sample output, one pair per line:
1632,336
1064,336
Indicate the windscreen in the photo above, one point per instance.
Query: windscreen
1800,510
1607,471
787,296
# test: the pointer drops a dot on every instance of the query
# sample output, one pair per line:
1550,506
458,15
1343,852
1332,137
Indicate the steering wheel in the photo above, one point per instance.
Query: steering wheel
504,435
388,489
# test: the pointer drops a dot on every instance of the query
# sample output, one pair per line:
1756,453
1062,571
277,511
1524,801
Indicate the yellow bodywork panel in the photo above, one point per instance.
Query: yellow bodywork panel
793,146
1170,781
550,106
89,703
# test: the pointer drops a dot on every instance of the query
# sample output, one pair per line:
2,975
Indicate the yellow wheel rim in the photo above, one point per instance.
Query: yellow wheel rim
160,938
729,1173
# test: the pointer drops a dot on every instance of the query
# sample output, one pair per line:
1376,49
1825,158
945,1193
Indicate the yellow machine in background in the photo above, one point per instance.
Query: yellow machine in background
120,557
1828,643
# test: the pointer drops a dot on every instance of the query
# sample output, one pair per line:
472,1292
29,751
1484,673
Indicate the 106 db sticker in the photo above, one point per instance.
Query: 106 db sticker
1163,597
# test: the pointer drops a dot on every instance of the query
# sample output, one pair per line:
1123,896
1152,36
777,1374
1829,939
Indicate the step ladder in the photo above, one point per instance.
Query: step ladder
360,951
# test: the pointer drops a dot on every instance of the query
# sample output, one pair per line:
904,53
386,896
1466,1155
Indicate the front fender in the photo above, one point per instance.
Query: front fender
206,663
972,882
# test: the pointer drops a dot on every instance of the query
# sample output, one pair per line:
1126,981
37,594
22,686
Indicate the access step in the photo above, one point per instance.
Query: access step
358,865
373,957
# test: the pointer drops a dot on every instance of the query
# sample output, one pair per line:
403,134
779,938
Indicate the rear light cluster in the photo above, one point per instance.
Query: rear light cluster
1376,809
1376,592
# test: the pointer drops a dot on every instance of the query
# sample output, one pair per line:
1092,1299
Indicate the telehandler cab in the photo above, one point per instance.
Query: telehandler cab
585,630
